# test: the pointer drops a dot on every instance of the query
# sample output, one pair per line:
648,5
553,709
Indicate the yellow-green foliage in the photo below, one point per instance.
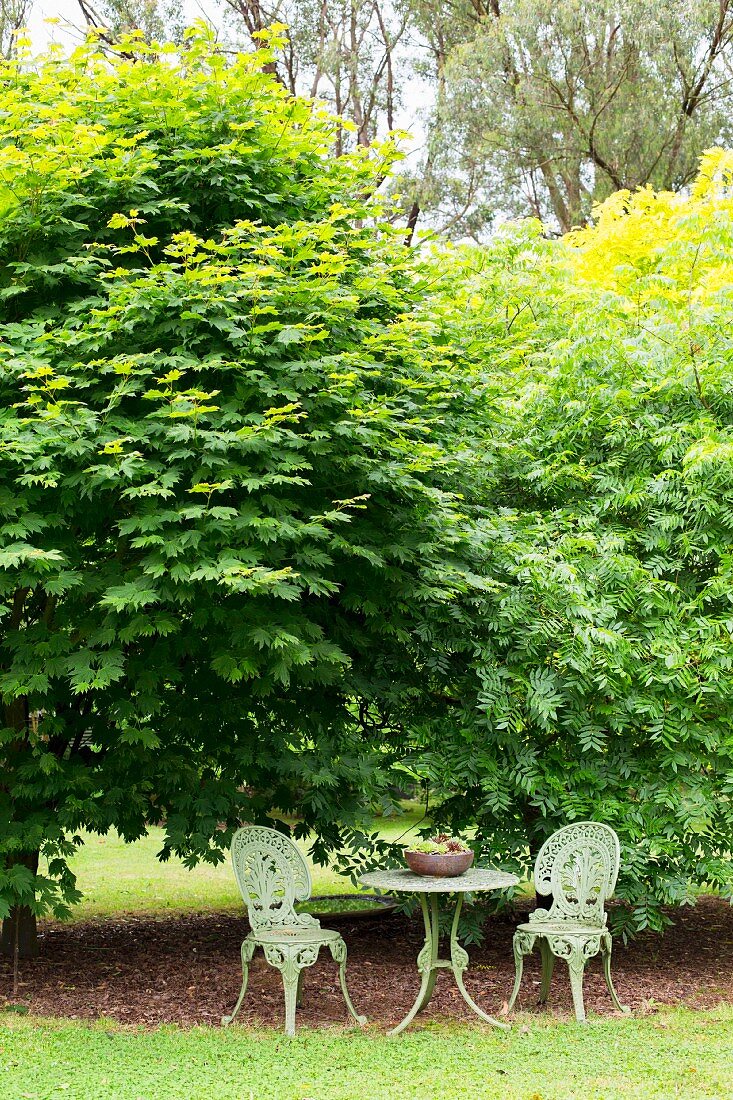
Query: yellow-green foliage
660,247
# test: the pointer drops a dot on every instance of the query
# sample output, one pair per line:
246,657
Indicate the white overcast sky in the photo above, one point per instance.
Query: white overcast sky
69,12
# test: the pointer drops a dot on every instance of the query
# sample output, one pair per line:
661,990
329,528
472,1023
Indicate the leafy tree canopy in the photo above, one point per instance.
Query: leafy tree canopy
225,522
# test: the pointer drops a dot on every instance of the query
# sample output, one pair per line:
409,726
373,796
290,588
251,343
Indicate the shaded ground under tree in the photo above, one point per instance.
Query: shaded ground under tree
185,970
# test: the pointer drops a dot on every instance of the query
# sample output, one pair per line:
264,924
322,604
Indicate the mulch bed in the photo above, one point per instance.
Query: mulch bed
185,970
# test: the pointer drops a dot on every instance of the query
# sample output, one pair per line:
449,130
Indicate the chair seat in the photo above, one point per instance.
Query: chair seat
560,928
294,934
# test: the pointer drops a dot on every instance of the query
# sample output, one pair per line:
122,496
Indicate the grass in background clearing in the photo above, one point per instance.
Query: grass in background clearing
118,878
676,1054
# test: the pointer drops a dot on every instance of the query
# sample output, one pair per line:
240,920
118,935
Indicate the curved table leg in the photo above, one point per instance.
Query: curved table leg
425,962
435,942
459,962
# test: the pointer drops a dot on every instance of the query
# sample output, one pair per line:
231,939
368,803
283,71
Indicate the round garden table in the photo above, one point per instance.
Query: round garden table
476,879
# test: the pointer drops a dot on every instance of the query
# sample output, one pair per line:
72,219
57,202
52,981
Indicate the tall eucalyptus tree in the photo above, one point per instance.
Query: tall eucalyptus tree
548,107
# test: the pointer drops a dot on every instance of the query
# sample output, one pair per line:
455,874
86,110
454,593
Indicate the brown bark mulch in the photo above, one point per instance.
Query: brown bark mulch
185,970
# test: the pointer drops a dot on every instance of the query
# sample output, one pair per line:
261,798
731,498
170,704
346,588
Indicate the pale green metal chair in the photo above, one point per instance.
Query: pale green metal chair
272,876
577,866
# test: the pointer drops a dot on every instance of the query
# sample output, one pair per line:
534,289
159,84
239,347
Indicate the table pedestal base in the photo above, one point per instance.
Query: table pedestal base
429,964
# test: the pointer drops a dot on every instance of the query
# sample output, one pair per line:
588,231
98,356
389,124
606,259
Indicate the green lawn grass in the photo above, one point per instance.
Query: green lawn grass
676,1054
117,878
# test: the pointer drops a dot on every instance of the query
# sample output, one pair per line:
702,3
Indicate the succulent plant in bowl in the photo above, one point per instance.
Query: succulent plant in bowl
443,856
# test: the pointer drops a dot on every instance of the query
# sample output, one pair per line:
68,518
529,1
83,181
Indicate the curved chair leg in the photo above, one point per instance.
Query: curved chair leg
290,961
522,945
518,968
290,987
576,969
606,953
338,951
299,994
548,965
248,950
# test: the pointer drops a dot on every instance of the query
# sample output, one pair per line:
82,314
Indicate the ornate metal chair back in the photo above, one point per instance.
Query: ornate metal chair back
272,876
578,866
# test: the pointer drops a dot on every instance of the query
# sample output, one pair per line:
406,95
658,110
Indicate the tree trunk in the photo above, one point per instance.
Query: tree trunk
22,920
411,223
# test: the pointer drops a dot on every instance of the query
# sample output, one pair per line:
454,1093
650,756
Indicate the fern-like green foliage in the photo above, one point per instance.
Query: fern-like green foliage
602,682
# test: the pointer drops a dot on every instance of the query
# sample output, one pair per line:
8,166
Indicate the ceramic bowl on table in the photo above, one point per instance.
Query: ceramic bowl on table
439,864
